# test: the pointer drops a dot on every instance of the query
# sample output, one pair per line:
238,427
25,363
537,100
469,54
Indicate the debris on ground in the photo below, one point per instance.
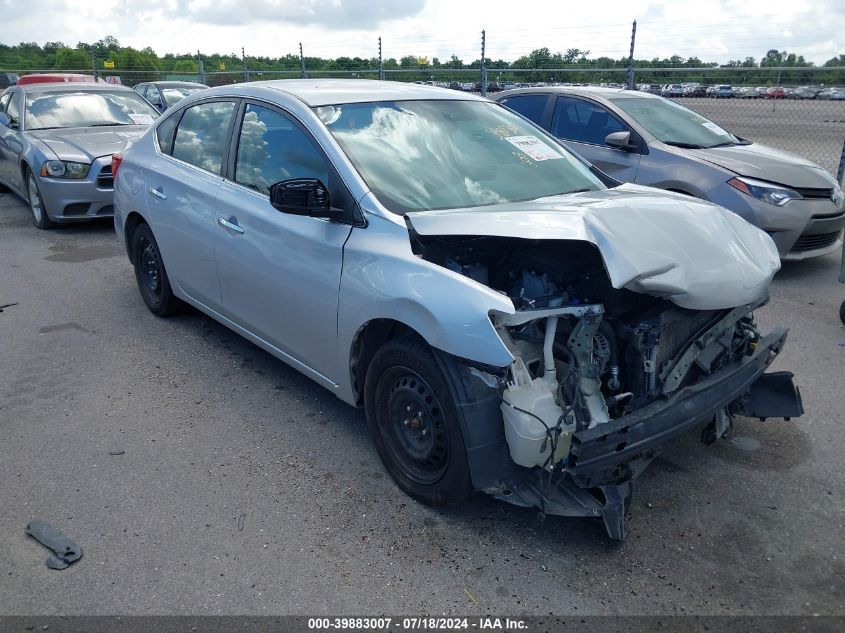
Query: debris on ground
65,550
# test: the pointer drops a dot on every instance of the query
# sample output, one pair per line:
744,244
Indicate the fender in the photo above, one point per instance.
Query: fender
383,279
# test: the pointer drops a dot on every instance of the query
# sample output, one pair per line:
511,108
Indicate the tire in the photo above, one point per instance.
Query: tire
424,454
151,275
842,313
36,204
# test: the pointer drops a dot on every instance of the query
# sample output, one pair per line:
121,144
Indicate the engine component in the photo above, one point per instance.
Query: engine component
580,343
534,423
536,290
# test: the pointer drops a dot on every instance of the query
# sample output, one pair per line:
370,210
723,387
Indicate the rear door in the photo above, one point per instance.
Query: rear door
182,194
583,125
280,273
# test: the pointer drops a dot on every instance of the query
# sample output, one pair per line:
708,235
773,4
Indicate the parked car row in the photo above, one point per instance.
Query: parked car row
473,273
57,138
726,91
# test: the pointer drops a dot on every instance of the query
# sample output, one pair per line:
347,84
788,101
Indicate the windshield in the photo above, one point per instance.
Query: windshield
423,155
674,124
87,109
172,95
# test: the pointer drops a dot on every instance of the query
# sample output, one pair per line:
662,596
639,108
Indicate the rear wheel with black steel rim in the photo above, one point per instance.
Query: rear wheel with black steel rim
36,203
415,425
151,274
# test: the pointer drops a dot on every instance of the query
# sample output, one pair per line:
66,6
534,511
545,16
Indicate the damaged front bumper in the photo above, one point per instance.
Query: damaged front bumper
605,461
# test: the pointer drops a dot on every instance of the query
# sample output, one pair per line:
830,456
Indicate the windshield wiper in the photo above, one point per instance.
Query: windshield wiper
725,144
684,145
108,124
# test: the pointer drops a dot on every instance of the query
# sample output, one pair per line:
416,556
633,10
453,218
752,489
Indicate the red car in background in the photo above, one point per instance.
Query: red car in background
775,92
50,78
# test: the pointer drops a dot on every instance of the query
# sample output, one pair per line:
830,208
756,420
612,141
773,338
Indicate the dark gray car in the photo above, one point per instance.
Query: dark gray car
56,144
163,94
648,140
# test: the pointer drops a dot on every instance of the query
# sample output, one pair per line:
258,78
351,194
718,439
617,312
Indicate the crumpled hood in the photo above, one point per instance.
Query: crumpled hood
766,163
668,245
87,143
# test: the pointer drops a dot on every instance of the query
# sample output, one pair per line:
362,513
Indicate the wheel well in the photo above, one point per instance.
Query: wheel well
370,337
132,222
686,193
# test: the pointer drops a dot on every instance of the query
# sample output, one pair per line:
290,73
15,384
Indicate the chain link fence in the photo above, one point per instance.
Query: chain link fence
799,110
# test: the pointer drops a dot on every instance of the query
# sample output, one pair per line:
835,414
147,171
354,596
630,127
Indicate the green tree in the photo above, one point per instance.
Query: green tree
72,59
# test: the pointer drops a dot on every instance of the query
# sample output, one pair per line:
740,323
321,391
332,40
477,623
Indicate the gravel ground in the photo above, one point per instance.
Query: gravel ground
244,488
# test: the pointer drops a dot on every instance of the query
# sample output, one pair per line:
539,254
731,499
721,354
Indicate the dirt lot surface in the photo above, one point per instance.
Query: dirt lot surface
242,487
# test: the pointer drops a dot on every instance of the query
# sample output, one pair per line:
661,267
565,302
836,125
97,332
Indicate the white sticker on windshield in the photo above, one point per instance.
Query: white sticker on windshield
140,119
533,147
715,128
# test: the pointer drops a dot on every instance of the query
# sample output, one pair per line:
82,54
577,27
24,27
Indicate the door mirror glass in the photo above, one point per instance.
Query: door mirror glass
302,196
619,140
6,121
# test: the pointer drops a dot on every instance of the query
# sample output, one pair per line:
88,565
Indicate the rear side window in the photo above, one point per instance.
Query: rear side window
583,121
203,135
164,133
529,106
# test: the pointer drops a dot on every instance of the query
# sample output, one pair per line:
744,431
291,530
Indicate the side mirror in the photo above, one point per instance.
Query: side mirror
302,196
6,121
620,140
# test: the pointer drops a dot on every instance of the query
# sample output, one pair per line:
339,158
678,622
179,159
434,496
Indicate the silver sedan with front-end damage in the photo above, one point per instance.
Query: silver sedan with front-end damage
56,144
509,322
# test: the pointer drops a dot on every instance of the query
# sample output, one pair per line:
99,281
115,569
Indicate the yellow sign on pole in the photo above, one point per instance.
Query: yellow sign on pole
222,66
108,64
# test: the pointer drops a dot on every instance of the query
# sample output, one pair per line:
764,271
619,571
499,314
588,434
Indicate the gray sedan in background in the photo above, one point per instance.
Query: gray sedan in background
56,144
648,140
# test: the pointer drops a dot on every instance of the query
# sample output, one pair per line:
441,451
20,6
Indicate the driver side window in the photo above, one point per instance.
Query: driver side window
4,101
14,107
583,121
272,148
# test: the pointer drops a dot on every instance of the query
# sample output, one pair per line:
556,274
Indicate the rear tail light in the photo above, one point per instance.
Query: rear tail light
116,159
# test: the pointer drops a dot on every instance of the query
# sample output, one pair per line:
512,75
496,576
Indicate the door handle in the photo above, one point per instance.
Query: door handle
158,193
228,224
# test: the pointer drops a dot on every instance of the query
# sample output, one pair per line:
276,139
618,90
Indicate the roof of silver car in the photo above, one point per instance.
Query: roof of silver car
593,91
319,92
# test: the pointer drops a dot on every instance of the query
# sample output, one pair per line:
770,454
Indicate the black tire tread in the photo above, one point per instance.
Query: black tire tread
456,484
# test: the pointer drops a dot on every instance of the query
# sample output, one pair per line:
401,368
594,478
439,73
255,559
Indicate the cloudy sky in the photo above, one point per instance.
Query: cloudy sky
714,30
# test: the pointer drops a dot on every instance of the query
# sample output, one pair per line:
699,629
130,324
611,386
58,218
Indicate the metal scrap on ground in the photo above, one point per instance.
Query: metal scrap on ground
65,550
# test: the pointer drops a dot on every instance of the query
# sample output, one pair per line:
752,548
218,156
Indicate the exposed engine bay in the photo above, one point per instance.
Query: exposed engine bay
587,355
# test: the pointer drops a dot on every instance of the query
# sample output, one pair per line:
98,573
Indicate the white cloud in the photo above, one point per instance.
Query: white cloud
711,30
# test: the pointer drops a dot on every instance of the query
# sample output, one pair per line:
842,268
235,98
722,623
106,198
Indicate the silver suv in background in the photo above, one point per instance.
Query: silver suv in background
645,139
56,144
509,323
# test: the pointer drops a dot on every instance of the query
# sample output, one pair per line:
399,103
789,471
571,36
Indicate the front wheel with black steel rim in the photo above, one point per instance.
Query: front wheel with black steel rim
36,203
414,423
151,274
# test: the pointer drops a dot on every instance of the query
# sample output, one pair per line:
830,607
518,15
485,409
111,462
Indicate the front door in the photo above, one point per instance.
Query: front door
11,143
280,273
583,125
